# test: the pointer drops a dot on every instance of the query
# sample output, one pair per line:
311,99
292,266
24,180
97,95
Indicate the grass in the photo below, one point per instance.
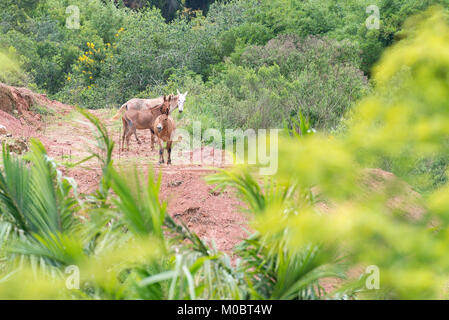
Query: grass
42,110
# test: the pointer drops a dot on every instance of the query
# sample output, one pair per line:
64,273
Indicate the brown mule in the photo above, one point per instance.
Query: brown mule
164,127
142,119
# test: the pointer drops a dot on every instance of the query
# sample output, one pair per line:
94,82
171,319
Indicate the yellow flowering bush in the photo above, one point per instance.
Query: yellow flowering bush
89,64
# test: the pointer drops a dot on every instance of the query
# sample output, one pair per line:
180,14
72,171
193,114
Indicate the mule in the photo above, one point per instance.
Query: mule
164,128
139,104
142,119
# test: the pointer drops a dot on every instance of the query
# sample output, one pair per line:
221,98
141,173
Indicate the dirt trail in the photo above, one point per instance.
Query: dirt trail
68,137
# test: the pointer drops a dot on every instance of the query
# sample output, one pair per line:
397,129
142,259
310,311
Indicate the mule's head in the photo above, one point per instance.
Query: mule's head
162,122
181,100
165,106
173,102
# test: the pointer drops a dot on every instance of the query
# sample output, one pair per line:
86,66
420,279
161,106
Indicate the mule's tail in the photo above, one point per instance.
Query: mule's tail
119,112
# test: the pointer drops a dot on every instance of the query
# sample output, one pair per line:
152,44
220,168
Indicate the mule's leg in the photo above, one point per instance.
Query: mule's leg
169,151
125,129
128,136
161,152
131,130
152,140
137,138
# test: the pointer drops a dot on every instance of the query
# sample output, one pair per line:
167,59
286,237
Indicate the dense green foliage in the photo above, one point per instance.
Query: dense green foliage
264,85
404,120
119,53
10,71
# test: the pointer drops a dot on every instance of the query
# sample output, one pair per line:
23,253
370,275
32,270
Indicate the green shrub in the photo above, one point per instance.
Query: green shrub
269,84
404,120
10,71
342,20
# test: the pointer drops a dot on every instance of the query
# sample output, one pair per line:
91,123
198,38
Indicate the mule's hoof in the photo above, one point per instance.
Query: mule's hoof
168,162
161,162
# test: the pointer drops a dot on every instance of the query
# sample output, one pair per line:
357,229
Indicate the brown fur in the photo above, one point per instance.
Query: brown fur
142,119
163,128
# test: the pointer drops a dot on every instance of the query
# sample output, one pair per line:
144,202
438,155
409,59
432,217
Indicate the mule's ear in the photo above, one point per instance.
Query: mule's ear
186,93
165,98
177,92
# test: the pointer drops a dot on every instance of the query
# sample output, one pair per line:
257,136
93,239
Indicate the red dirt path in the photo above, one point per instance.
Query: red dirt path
67,137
